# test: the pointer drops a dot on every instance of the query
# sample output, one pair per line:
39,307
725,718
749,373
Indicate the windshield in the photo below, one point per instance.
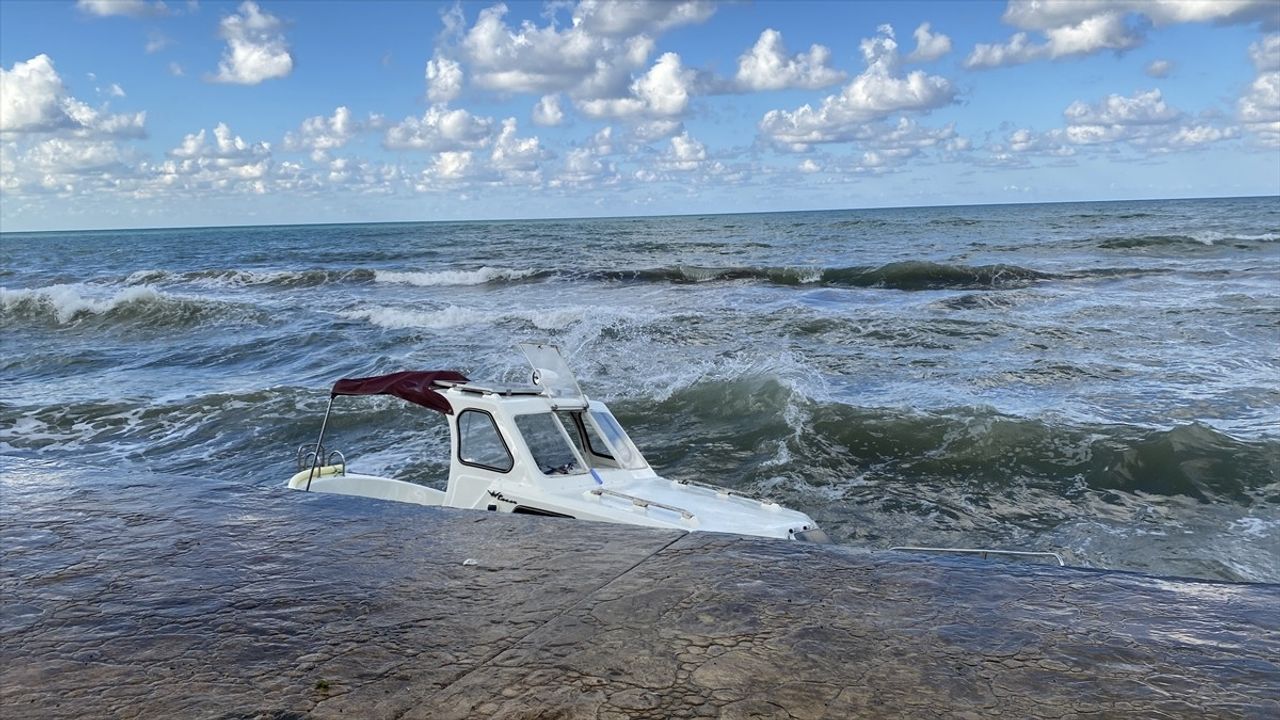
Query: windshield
624,452
546,440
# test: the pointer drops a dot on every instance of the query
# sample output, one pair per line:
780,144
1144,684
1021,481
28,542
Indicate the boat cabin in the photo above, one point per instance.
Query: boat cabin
541,449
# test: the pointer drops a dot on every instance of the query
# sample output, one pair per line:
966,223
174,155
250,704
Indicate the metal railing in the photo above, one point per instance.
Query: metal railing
641,502
984,552
725,492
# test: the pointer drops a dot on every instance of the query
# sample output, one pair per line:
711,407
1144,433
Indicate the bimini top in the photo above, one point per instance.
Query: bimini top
416,386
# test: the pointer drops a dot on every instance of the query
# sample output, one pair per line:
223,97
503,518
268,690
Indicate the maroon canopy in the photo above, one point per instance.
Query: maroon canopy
412,385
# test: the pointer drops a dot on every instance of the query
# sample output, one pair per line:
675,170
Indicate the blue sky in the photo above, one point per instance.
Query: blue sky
139,113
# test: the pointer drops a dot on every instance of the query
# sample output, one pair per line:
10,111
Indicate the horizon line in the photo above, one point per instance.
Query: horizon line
629,217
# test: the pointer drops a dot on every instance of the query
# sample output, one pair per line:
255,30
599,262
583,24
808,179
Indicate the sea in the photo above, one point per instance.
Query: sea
1100,380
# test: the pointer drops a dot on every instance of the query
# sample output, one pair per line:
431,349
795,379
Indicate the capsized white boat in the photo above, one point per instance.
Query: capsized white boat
541,449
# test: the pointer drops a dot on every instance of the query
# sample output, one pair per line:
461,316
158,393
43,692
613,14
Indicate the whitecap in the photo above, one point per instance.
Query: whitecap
478,276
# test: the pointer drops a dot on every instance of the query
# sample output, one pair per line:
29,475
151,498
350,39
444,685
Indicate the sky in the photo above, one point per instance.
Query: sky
139,113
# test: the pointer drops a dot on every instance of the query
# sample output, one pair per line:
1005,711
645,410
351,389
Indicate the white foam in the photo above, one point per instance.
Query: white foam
66,302
478,276
142,277
454,316
1211,237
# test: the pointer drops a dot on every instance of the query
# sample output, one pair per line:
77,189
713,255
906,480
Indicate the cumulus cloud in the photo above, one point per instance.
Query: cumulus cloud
1158,69
1143,121
439,130
33,98
547,112
879,91
608,17
593,57
319,135
587,164
256,47
663,91
1084,27
1259,107
517,158
767,66
685,153
444,79
228,163
226,146
929,45
126,8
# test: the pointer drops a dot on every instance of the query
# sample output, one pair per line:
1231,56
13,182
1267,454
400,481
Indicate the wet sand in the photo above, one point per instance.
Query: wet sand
129,594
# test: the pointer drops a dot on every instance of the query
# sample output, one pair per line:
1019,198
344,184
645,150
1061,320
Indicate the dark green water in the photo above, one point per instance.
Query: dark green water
1101,379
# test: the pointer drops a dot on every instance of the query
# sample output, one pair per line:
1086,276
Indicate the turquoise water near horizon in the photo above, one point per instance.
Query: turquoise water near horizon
1096,378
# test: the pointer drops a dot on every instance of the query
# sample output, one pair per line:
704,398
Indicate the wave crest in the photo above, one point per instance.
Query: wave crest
479,276
70,305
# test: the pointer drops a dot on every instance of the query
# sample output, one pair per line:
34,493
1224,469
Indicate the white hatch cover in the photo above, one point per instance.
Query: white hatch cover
552,374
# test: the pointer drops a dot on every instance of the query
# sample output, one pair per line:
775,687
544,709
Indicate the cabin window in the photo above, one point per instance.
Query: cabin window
479,443
549,444
623,451
585,440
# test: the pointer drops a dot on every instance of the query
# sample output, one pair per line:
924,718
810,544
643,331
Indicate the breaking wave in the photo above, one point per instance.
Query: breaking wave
73,304
479,276
1203,239
249,278
975,450
907,275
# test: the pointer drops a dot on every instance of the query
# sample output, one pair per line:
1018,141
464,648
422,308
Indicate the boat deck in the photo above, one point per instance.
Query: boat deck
155,596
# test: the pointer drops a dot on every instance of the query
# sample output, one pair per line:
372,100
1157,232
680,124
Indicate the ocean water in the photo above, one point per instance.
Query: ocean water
1098,379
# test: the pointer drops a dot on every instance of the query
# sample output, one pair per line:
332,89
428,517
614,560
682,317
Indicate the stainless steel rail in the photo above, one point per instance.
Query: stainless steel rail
641,502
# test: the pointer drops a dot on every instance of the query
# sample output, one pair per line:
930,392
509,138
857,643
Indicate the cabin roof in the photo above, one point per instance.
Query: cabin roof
420,387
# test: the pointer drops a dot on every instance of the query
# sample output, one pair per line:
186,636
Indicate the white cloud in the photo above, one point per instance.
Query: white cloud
256,47
1144,108
808,167
126,8
547,112
663,91
1106,31
1265,53
156,42
1084,27
766,66
1143,121
33,98
444,79
60,156
226,146
1259,107
228,163
451,165
176,70
881,90
929,45
516,157
1048,14
607,17
651,130
685,153
321,134
591,58
440,129
1158,69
